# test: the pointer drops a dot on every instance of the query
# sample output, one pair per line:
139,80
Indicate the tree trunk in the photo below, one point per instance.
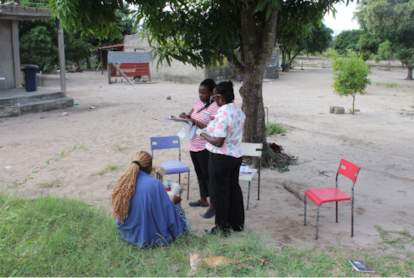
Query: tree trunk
258,45
283,60
289,57
88,63
293,57
353,103
410,73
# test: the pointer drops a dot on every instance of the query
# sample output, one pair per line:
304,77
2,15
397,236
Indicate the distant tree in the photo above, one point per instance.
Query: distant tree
367,45
350,75
392,21
38,39
77,48
317,40
347,40
38,43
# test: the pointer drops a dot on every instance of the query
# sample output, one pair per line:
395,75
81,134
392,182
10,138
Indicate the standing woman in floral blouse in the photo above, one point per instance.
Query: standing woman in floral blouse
203,111
223,135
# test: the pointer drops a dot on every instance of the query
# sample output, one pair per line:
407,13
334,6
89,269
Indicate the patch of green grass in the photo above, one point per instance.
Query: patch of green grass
396,239
111,185
274,129
282,167
119,148
388,85
108,168
52,236
52,183
312,65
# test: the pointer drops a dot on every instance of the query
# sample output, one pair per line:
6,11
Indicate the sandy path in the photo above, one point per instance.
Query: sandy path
377,139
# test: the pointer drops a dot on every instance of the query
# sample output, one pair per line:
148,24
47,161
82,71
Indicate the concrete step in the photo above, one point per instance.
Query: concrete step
36,97
36,106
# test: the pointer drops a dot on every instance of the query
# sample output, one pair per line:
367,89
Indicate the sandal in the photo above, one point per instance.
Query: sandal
209,213
198,204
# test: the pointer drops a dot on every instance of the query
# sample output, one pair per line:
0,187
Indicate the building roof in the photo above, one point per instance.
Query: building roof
112,46
8,12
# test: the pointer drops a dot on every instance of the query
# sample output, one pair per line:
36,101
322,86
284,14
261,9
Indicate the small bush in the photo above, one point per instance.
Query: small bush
274,129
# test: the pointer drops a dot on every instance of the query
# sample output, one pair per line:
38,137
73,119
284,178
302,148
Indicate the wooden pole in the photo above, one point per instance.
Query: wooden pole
62,64
98,67
123,74
109,73
102,60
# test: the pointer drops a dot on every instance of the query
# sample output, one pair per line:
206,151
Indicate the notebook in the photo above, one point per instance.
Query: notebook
361,266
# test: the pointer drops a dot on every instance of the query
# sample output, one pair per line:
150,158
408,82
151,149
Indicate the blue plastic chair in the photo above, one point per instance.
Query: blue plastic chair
174,166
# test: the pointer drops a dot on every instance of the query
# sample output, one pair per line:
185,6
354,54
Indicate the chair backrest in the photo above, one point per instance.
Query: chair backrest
251,149
348,169
167,142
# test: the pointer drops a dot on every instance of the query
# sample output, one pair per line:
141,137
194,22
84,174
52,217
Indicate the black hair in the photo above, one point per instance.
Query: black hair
210,84
225,89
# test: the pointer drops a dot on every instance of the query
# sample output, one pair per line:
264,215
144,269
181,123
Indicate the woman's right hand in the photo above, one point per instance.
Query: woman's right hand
182,115
176,199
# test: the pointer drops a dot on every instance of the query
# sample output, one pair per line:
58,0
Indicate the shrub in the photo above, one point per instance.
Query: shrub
274,129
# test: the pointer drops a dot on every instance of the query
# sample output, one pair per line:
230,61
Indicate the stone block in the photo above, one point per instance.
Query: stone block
339,110
8,111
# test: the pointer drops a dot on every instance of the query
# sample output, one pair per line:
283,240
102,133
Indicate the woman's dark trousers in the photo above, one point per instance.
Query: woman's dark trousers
200,162
224,178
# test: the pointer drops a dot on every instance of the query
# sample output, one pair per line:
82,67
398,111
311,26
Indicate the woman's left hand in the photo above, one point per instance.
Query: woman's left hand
191,119
176,199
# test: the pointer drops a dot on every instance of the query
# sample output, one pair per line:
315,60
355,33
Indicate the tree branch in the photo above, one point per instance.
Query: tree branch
236,64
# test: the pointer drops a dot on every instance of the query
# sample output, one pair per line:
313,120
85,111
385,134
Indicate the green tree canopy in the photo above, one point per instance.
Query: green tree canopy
347,40
392,21
201,32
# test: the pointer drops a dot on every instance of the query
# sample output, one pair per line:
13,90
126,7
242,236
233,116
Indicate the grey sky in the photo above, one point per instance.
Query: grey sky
343,20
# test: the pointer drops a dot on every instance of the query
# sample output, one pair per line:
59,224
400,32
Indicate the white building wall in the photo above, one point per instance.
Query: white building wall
177,72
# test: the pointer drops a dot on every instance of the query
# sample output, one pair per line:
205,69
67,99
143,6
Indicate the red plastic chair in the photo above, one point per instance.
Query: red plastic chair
325,195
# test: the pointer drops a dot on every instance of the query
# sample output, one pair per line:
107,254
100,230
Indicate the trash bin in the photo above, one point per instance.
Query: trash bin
30,77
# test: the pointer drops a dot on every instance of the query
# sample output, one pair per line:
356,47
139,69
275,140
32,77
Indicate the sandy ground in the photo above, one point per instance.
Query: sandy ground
378,139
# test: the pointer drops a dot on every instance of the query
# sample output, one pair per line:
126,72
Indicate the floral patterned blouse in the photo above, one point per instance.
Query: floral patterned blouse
228,123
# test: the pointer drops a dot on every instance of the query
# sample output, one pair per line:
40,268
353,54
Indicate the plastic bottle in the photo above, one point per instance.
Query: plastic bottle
169,185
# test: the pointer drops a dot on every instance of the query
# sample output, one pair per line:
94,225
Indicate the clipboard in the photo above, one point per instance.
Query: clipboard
178,120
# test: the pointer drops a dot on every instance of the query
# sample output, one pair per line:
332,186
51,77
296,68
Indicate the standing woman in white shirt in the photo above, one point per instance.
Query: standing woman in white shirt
200,115
223,135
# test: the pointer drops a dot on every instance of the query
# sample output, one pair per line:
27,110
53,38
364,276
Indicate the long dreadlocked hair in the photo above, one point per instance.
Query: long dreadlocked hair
124,189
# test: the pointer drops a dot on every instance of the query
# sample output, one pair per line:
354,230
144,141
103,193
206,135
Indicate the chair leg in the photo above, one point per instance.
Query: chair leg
305,201
352,219
336,212
248,197
258,186
317,223
188,185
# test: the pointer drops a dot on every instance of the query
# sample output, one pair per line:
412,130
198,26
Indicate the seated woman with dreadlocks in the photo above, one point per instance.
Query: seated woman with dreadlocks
146,216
